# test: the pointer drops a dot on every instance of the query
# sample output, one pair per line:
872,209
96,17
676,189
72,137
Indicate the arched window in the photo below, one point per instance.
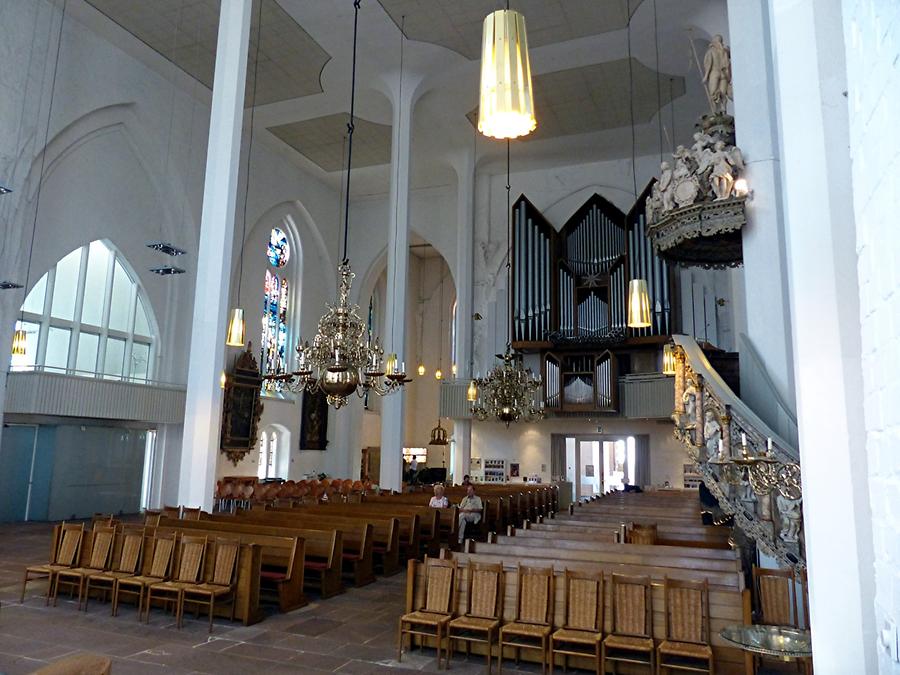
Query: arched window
268,455
88,316
273,357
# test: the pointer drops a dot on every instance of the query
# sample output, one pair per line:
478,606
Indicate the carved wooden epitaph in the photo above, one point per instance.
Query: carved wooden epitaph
241,408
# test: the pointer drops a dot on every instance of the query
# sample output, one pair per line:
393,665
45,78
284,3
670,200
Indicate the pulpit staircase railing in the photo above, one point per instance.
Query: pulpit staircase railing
754,473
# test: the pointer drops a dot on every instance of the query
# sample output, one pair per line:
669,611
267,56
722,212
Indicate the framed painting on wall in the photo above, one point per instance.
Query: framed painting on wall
589,470
314,421
513,469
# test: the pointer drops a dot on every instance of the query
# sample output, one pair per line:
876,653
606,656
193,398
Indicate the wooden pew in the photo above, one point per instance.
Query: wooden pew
321,563
357,536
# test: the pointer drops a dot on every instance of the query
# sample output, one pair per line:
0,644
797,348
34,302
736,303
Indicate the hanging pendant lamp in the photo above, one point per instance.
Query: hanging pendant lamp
236,334
20,341
438,435
506,104
638,304
668,359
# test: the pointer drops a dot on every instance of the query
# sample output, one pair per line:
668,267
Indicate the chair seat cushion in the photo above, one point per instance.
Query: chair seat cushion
140,580
426,618
574,635
474,623
628,642
351,556
79,572
378,548
170,585
527,629
207,589
688,649
109,576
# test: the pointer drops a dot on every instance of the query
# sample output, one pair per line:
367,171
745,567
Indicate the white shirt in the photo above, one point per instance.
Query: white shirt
439,503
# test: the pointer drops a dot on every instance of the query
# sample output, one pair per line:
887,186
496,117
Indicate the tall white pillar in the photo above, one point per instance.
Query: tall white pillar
393,407
765,266
824,295
465,244
203,407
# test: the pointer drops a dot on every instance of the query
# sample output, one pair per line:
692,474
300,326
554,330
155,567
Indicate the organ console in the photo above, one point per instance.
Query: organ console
569,298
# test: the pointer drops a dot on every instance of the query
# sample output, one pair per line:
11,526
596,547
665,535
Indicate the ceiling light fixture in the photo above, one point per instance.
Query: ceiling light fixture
638,304
7,285
235,336
345,357
668,359
166,247
506,104
19,346
166,270
508,391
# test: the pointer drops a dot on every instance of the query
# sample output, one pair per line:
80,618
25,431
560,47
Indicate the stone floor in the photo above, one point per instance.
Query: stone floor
354,632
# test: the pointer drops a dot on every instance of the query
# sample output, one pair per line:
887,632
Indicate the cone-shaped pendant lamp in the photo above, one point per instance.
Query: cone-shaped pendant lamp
668,359
506,105
20,339
472,392
638,304
236,328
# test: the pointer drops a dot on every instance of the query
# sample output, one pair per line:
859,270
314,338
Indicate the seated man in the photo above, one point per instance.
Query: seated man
470,509
439,501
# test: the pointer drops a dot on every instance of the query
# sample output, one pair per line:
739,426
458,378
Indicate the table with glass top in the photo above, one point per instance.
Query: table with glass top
780,642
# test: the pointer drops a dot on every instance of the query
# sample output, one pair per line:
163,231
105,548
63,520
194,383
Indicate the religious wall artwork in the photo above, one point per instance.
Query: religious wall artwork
695,210
241,407
314,424
589,470
276,297
513,469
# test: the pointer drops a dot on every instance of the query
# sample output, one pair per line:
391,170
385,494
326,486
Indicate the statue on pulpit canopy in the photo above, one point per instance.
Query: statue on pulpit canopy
717,74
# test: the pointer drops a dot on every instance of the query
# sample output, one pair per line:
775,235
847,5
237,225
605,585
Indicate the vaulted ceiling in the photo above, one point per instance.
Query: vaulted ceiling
599,67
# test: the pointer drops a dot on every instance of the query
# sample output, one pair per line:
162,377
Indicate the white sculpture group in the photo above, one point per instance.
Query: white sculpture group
705,172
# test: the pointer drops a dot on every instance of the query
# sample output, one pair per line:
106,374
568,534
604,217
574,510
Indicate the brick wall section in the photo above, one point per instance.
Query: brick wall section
872,38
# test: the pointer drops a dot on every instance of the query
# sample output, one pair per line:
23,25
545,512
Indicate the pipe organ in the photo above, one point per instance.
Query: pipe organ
569,297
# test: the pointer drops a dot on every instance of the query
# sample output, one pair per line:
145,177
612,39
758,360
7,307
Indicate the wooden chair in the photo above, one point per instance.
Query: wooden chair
160,568
101,557
687,643
173,512
64,554
129,559
534,615
484,609
188,513
220,586
582,633
191,554
433,617
775,602
632,623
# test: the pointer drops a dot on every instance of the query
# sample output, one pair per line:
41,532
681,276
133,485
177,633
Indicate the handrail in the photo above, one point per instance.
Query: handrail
713,380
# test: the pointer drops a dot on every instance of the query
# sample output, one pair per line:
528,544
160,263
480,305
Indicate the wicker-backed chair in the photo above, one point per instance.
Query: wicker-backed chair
220,586
160,569
64,554
484,609
188,513
533,624
191,554
102,539
687,644
776,603
631,637
582,633
127,565
173,512
433,617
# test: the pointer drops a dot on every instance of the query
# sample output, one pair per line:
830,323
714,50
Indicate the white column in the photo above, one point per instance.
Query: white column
765,272
465,243
394,405
203,407
811,78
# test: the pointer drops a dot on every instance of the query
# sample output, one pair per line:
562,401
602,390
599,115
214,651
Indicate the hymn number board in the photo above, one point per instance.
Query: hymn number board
569,297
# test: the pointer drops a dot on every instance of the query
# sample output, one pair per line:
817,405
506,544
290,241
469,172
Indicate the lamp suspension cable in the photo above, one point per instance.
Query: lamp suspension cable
439,373
658,83
236,327
20,338
351,126
508,248
392,358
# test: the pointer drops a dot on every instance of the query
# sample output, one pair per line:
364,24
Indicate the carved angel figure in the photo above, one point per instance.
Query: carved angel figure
666,196
717,74
712,432
790,518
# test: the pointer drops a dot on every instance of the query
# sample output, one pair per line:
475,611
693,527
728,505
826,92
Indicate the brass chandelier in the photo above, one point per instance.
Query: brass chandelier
508,392
345,356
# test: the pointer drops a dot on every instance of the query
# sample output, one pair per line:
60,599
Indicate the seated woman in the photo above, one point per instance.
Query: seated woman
439,501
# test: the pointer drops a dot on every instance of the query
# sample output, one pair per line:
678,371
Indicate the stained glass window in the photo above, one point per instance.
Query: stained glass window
279,251
274,328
